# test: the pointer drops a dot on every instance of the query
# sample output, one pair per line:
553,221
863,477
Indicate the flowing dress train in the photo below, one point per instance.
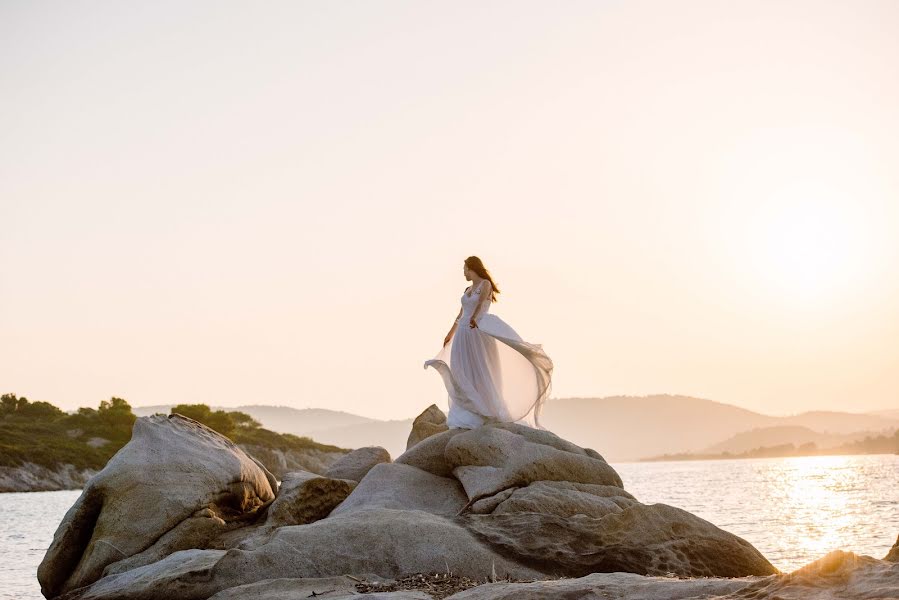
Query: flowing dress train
490,373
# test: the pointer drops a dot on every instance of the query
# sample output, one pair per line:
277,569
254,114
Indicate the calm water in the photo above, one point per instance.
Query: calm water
794,510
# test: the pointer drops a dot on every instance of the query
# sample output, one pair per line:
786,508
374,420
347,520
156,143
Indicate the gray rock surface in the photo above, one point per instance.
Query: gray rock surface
653,539
357,463
609,586
30,477
488,459
172,467
431,421
387,543
305,498
398,486
287,588
430,454
281,462
893,554
566,499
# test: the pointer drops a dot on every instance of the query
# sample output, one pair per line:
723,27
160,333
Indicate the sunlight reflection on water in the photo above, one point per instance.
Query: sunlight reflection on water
794,510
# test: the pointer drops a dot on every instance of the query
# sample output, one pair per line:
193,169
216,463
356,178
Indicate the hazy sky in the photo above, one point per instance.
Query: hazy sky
235,202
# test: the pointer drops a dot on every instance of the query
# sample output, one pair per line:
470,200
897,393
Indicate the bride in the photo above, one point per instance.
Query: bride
490,373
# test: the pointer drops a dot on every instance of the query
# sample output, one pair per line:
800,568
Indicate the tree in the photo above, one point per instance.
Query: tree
218,420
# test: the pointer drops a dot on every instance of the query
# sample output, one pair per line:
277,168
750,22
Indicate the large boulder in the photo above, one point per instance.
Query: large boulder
398,486
490,459
386,543
174,470
356,464
430,453
653,539
566,499
305,498
428,423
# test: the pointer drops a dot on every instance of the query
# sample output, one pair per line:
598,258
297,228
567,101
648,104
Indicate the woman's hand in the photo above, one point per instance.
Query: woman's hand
448,337
472,323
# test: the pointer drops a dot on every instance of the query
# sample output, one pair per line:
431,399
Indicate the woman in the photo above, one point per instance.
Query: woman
490,373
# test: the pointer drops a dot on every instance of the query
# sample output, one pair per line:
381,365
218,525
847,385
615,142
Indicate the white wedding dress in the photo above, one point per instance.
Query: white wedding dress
490,373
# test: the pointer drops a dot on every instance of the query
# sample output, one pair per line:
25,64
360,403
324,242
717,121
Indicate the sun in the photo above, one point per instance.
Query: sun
808,241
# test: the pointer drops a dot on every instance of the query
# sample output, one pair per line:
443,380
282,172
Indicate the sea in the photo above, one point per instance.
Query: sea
793,510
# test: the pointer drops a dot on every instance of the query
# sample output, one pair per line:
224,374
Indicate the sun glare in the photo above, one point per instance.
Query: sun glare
810,241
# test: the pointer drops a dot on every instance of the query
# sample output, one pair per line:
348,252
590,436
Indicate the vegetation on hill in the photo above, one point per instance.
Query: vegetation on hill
41,433
881,444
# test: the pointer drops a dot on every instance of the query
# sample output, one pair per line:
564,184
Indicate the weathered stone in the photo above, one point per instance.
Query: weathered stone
280,462
387,543
489,459
428,455
172,467
428,423
397,486
287,588
651,539
357,463
617,586
306,497
893,554
566,499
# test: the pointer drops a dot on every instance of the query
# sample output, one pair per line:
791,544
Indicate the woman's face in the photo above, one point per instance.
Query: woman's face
466,271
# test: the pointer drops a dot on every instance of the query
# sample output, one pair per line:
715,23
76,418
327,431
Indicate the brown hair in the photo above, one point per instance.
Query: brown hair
474,263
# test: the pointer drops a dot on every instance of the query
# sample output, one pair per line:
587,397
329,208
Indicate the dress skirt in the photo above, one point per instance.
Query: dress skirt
492,375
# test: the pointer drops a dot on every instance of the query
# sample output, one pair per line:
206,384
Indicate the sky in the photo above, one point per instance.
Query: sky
236,203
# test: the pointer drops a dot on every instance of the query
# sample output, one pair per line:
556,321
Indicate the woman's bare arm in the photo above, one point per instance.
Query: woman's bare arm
452,329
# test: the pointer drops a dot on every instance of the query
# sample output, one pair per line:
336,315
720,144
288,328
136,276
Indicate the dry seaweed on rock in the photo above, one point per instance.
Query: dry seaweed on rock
438,585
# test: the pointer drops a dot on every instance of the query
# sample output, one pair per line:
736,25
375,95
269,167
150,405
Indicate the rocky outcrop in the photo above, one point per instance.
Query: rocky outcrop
305,498
893,554
357,463
431,422
281,462
30,477
500,501
398,486
160,483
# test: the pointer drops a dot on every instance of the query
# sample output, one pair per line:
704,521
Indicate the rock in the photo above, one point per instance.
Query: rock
172,467
356,464
386,543
398,486
96,442
31,477
281,462
305,498
489,459
651,539
286,588
617,586
428,423
489,504
428,454
893,554
182,575
199,531
566,499
835,576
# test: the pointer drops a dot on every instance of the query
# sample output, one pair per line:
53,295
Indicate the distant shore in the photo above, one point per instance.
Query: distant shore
729,456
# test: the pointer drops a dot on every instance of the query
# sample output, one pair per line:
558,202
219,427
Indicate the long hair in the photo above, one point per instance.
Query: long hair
474,263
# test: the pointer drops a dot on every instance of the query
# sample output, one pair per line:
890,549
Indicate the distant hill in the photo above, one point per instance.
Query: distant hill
621,428
764,437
